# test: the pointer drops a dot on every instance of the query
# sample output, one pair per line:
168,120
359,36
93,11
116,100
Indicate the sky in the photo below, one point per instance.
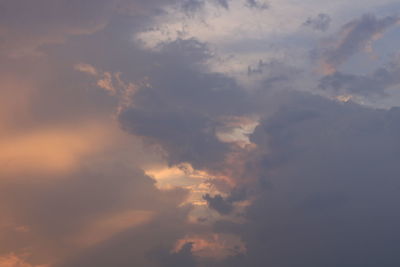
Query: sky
199,133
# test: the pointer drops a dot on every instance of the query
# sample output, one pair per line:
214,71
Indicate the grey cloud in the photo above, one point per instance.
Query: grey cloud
323,177
186,137
180,110
372,84
183,257
28,26
226,205
273,73
218,203
354,37
43,214
319,23
334,172
192,6
146,245
223,3
257,4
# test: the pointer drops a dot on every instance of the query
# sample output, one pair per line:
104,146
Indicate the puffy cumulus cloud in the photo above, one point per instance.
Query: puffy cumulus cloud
354,37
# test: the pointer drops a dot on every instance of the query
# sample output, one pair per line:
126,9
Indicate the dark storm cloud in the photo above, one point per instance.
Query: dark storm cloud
334,195
354,37
319,23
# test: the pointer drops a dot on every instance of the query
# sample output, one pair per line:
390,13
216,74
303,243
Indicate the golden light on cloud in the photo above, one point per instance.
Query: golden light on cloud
111,224
171,176
14,101
12,260
344,98
49,150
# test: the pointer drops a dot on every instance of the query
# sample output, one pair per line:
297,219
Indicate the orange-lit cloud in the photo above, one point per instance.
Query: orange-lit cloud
108,225
355,36
50,150
12,260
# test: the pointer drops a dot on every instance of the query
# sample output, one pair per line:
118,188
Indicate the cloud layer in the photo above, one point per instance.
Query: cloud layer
139,133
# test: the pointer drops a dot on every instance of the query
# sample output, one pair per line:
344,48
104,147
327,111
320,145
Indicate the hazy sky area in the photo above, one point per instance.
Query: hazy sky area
199,133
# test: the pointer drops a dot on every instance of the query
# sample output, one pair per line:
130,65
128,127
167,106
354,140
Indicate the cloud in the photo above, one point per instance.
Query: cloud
192,6
223,3
320,23
90,117
219,204
86,68
83,208
376,83
226,205
27,27
180,109
354,37
146,245
183,257
257,4
55,150
13,260
333,193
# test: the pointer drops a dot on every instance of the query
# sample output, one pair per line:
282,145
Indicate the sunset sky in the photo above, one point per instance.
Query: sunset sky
199,133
